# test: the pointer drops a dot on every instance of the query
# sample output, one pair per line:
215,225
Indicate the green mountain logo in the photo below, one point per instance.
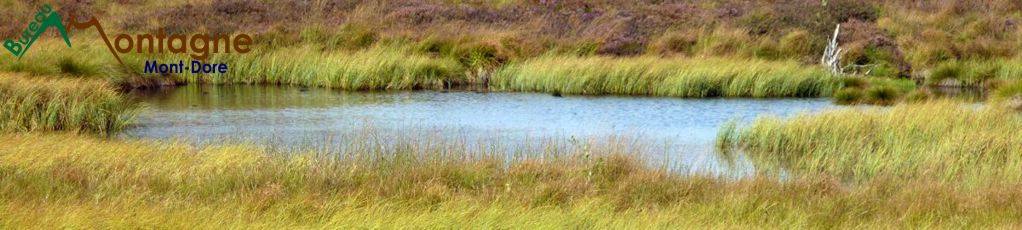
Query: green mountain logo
44,19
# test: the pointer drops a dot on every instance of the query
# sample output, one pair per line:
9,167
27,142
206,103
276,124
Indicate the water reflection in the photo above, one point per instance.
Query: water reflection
681,129
242,97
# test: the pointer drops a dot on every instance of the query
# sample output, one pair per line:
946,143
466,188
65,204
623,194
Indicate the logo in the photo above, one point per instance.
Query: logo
197,46
45,19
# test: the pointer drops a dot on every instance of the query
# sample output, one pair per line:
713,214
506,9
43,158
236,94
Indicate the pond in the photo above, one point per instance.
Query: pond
683,129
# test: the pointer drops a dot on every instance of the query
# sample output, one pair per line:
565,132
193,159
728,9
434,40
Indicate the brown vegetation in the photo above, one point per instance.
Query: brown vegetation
882,38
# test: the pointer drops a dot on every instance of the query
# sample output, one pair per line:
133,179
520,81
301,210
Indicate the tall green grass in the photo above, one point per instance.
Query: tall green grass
940,140
397,66
675,77
976,73
70,181
67,104
87,58
876,91
374,68
1009,95
402,66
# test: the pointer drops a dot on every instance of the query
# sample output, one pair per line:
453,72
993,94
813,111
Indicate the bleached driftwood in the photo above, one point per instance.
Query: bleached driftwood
832,55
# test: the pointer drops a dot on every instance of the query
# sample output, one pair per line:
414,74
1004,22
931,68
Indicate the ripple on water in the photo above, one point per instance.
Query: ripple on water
681,129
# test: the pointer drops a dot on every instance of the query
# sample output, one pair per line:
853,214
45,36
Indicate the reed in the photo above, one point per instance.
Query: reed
67,104
375,68
941,140
877,91
50,56
976,73
897,38
675,77
397,66
383,67
71,181
1008,90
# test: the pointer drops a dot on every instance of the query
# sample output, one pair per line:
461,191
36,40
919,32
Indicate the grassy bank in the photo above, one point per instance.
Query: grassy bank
941,140
61,181
679,77
935,40
88,57
403,66
66,104
375,68
986,73
877,91
887,38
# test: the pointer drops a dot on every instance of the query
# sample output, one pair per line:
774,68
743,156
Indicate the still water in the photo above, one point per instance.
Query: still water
684,129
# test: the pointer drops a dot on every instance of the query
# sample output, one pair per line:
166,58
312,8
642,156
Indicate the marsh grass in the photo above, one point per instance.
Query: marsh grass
409,66
876,91
941,140
1009,90
1008,95
898,38
882,95
66,180
383,67
49,56
375,68
675,77
395,67
67,104
975,73
88,58
848,96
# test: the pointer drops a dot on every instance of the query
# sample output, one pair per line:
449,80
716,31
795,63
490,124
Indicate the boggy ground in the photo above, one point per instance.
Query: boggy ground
71,181
935,164
451,43
919,164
